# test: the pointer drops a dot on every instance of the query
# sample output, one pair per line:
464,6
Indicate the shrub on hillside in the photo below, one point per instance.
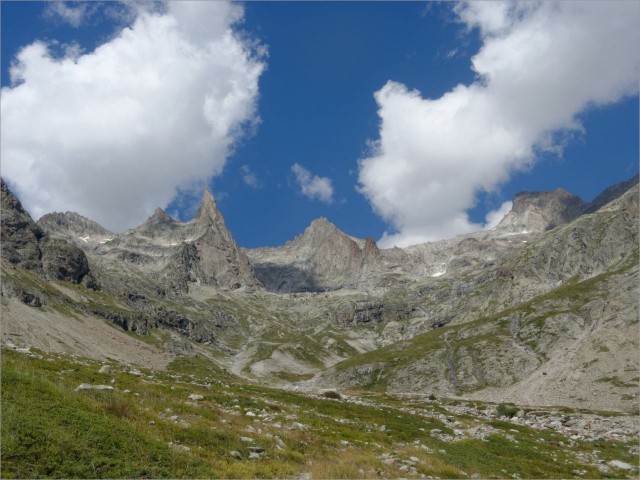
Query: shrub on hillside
507,410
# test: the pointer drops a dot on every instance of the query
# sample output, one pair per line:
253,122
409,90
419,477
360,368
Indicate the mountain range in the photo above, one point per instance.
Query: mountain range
540,310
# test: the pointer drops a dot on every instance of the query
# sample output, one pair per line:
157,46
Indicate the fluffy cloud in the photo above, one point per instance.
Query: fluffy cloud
116,132
312,186
540,65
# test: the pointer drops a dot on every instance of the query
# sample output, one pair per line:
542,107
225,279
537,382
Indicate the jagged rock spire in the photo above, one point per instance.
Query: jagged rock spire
208,211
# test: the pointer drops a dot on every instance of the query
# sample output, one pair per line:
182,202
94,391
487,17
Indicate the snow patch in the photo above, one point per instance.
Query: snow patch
441,271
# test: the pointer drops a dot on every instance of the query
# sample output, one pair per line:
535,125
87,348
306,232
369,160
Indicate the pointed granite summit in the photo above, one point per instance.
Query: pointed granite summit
210,254
208,212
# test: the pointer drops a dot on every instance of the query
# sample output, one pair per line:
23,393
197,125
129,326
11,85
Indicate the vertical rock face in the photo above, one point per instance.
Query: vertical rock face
64,261
219,261
20,236
25,244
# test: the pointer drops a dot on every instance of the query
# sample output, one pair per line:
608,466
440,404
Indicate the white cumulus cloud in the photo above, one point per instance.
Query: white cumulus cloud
116,132
313,186
541,65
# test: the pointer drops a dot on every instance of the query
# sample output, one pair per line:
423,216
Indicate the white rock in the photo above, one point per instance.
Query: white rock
105,369
179,448
195,397
279,441
621,465
86,386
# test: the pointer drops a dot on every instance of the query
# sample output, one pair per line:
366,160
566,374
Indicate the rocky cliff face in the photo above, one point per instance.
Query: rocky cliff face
24,244
20,235
541,211
219,260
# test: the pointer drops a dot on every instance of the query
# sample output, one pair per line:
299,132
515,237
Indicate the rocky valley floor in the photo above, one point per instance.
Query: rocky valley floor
74,417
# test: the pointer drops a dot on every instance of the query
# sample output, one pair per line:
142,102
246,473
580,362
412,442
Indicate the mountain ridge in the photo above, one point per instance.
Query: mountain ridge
347,309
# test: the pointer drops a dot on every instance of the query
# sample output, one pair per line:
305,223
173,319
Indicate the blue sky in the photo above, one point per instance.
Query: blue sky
303,115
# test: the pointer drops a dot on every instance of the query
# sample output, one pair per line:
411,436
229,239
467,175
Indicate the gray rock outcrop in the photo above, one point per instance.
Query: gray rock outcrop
20,236
541,211
25,244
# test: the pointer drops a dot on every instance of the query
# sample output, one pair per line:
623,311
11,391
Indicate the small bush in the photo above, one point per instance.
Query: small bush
432,397
507,410
332,394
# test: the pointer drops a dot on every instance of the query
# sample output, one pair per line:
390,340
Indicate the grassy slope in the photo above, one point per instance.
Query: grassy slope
50,430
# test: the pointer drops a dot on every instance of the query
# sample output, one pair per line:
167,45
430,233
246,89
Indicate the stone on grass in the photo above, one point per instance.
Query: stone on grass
179,448
621,465
86,386
105,369
279,443
195,397
235,454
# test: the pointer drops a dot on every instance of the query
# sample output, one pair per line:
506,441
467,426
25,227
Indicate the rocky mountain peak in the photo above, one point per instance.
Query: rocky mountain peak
71,223
559,200
321,258
541,211
208,212
320,226
159,216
